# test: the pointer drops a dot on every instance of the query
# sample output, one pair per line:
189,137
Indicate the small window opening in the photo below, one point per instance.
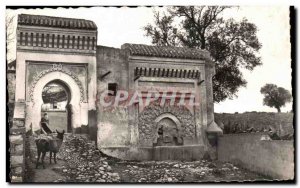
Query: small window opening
112,87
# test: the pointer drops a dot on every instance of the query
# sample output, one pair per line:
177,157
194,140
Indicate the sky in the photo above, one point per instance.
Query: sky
117,26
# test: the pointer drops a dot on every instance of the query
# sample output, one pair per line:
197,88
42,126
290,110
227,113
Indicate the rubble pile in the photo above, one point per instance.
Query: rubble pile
84,162
176,171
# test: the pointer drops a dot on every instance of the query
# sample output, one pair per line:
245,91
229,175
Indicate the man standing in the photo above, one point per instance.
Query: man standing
45,124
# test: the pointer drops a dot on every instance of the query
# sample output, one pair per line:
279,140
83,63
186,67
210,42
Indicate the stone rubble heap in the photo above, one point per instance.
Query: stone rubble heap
177,171
84,163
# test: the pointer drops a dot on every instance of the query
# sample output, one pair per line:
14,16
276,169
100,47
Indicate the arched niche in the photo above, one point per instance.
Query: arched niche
148,118
168,130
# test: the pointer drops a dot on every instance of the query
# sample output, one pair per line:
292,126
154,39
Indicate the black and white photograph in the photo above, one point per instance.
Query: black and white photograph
150,94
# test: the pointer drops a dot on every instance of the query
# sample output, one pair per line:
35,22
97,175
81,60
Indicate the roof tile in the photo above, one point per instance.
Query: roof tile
50,21
165,51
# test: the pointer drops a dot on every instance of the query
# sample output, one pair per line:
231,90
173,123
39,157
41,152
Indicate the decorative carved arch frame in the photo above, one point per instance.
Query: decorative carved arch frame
152,114
56,73
55,68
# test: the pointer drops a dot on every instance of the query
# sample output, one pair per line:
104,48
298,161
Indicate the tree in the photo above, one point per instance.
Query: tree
53,94
275,96
232,44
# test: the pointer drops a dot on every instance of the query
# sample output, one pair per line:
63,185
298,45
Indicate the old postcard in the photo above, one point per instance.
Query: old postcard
172,94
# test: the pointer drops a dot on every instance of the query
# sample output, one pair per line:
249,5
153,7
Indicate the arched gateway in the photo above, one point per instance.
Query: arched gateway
76,98
55,49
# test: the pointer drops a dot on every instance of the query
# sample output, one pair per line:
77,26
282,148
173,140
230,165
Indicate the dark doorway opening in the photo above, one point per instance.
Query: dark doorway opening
56,104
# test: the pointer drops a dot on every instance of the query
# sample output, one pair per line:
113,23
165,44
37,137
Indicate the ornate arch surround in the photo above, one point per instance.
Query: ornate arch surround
55,68
152,114
56,73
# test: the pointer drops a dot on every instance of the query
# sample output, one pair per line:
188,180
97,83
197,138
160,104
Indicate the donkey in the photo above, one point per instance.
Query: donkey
51,145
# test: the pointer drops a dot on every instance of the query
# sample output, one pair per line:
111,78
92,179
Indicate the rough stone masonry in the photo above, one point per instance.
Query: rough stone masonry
65,51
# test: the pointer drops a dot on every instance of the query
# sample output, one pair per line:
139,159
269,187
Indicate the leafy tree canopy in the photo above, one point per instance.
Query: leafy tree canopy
275,96
54,93
232,44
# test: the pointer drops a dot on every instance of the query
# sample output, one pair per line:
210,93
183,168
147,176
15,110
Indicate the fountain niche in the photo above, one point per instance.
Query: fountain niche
168,133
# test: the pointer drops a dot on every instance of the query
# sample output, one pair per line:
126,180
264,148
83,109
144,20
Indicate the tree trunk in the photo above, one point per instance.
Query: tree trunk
278,109
202,39
203,44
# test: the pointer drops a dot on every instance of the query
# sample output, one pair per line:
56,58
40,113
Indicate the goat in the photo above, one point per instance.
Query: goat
48,144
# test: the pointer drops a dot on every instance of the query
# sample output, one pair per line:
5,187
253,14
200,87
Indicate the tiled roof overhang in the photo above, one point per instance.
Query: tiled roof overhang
57,22
166,51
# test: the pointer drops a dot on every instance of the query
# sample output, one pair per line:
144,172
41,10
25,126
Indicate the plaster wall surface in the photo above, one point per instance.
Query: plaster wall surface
273,158
112,121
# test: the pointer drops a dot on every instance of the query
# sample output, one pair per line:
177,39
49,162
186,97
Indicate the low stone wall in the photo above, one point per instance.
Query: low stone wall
17,160
10,109
274,158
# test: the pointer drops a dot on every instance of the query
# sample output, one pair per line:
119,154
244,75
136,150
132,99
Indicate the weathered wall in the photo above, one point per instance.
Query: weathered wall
16,150
92,125
11,85
274,158
58,120
257,120
113,130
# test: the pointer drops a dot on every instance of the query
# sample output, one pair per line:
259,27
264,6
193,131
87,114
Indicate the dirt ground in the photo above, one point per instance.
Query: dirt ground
49,174
79,161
